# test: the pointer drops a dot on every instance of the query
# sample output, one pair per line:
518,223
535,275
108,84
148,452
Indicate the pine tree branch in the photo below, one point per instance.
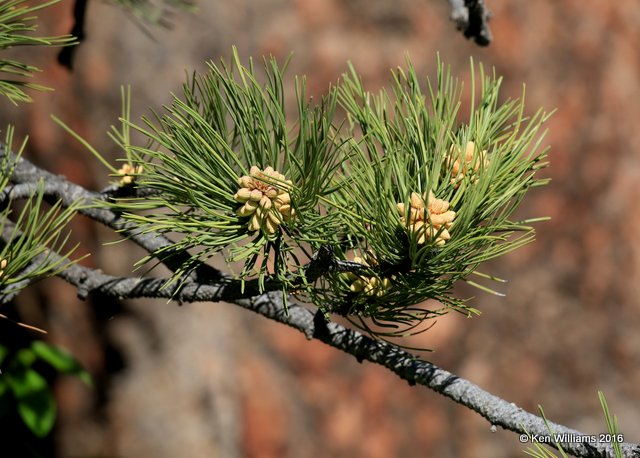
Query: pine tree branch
472,18
218,287
26,176
415,371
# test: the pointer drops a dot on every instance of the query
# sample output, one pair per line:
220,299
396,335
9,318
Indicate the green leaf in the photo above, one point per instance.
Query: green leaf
35,403
4,351
3,386
61,360
5,398
25,357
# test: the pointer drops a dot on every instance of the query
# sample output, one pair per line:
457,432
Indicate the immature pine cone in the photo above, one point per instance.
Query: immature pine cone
427,224
266,199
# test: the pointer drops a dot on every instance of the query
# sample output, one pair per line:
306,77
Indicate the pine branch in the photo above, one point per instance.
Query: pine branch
26,176
214,287
17,24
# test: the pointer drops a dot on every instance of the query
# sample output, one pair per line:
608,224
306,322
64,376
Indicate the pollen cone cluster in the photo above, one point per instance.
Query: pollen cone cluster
128,173
467,163
371,286
428,223
266,199
3,265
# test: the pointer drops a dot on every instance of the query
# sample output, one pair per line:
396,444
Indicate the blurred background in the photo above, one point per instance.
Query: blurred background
214,380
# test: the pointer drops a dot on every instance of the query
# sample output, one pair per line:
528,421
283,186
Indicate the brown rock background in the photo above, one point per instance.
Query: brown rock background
213,380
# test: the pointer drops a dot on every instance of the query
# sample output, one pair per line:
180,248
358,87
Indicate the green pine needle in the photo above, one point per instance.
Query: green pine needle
612,426
38,232
403,144
614,436
226,123
16,26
